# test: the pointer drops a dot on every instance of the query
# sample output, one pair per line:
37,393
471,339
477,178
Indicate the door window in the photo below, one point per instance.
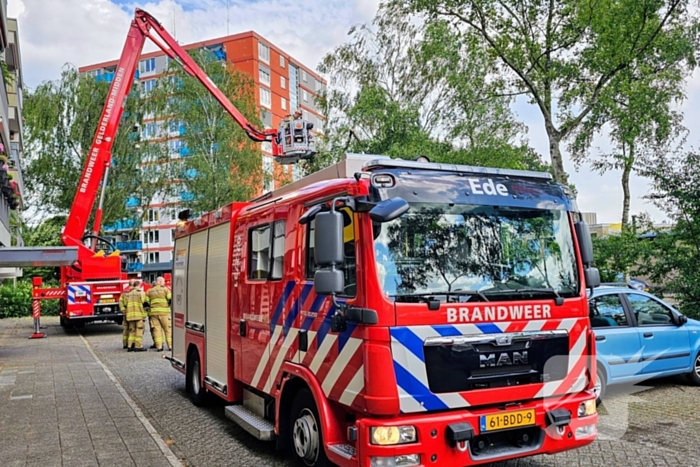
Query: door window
259,252
608,312
649,311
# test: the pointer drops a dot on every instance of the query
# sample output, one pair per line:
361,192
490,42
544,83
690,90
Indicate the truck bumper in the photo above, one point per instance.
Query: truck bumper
553,431
117,317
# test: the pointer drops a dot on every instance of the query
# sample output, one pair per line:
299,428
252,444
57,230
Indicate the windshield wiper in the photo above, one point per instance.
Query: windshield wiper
450,293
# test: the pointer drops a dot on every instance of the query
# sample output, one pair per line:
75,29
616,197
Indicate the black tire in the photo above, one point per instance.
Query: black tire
601,384
195,386
79,324
62,320
119,321
694,375
305,434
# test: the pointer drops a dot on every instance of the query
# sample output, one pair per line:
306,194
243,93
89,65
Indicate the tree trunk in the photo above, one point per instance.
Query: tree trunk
555,154
626,170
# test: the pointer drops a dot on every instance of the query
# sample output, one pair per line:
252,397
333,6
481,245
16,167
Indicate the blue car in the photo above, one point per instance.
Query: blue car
638,337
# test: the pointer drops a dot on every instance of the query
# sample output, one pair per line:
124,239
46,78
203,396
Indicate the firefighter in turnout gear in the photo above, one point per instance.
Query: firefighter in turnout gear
159,298
122,308
132,304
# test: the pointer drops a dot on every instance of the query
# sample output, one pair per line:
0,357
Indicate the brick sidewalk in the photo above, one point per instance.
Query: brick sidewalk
59,406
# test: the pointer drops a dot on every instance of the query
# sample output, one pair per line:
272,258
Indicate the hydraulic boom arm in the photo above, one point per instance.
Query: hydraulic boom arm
99,157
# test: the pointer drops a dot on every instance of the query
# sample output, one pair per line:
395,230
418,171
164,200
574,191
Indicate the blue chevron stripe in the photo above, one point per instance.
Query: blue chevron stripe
294,311
280,305
417,390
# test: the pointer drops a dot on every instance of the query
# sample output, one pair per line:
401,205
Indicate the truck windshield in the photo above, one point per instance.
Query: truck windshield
503,253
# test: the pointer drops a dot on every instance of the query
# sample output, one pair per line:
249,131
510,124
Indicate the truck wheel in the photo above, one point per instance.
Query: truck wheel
694,375
119,321
62,320
305,433
194,380
600,385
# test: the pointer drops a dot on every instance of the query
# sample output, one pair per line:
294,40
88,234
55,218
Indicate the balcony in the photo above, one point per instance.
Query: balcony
125,247
134,267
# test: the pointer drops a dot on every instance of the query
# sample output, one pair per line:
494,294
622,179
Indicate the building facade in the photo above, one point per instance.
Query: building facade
12,189
282,84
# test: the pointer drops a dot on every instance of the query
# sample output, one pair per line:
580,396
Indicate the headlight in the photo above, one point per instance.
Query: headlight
406,460
390,435
587,408
586,431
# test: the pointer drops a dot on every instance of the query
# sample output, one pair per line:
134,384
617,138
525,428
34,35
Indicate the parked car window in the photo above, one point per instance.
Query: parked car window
648,311
608,311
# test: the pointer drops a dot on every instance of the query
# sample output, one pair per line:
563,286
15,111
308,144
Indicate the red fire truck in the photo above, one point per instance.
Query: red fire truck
386,312
90,288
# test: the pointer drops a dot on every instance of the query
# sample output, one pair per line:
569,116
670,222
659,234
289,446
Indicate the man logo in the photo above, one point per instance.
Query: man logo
504,340
504,359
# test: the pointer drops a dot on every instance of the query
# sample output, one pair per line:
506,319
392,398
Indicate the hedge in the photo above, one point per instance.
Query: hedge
16,301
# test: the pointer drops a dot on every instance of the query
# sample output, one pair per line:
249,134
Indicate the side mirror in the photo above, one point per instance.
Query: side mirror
585,244
329,282
681,320
389,209
592,277
309,215
328,239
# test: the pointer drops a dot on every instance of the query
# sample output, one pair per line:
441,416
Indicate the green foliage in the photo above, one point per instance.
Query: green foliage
47,233
16,301
620,255
676,253
222,164
402,87
563,54
61,119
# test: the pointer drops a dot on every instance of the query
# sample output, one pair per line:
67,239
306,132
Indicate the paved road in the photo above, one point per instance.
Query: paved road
657,426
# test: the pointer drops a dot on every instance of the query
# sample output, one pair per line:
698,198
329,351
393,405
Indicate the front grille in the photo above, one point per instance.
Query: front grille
464,363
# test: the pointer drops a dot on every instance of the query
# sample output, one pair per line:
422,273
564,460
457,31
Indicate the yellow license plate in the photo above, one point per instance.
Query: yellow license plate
507,420
107,300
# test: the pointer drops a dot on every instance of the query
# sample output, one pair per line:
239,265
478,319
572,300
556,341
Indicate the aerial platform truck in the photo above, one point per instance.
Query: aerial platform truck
91,286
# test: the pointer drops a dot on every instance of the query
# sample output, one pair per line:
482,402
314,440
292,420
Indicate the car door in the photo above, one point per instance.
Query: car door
617,341
665,346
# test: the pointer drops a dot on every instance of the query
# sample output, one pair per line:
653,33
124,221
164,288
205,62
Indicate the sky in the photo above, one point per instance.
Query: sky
83,32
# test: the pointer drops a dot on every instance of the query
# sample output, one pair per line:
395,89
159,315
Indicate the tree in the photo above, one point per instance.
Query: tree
676,253
218,163
47,233
563,54
638,107
405,88
60,120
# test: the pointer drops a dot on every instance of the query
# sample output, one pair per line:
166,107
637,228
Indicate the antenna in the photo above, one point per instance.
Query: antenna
228,33
174,30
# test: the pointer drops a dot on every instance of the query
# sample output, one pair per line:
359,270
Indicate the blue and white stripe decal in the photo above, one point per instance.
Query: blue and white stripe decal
74,290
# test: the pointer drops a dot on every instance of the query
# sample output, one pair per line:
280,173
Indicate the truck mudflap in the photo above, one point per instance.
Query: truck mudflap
473,437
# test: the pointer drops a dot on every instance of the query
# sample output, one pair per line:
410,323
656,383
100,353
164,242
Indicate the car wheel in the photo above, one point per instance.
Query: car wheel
694,375
600,385
306,437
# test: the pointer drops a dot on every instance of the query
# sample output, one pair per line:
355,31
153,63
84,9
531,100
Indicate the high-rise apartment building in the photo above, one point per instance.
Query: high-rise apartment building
11,181
282,84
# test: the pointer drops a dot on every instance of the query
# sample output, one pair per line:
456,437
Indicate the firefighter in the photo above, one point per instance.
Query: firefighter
159,297
134,302
122,308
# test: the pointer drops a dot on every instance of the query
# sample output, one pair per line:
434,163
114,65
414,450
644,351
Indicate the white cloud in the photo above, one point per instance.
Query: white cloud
53,32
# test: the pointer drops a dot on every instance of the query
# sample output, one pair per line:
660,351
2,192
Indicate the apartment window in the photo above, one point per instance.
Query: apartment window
148,86
265,97
283,82
268,173
264,76
153,236
149,130
283,102
281,61
148,65
305,95
174,146
278,250
153,215
259,252
304,76
154,257
173,215
319,86
263,53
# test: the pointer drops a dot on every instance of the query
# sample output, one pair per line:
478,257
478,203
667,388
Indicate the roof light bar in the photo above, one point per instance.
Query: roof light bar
404,164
